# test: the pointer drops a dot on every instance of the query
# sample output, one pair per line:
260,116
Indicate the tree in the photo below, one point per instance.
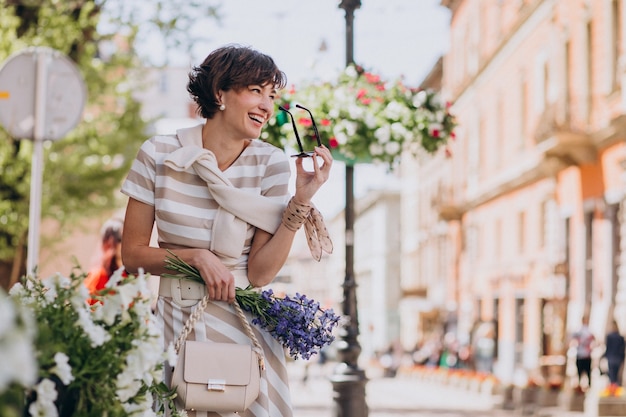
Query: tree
83,171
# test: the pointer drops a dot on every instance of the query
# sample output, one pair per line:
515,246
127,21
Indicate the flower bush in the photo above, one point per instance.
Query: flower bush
363,118
90,360
18,369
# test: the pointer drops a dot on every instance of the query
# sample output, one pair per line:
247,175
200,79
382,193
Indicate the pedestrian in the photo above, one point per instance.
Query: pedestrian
484,347
584,341
213,191
109,256
615,349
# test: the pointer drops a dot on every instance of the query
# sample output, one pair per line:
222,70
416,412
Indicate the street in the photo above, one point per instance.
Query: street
400,396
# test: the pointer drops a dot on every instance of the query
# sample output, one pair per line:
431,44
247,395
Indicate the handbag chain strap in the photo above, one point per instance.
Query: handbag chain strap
193,318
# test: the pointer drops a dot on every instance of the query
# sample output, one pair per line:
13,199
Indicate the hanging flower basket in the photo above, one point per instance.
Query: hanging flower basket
363,118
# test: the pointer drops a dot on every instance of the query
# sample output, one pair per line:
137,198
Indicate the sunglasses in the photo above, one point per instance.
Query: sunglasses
302,153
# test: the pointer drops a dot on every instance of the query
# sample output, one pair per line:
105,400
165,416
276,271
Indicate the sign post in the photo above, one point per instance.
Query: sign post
42,96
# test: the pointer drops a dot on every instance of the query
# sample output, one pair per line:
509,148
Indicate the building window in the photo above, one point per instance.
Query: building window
482,148
566,80
616,42
588,255
164,83
523,107
567,233
546,85
497,232
539,89
521,232
471,243
589,80
544,218
519,329
613,215
499,134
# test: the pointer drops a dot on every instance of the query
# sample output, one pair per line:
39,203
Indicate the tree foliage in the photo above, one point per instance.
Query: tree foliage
83,171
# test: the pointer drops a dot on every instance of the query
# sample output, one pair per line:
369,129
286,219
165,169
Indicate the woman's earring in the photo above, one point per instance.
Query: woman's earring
222,107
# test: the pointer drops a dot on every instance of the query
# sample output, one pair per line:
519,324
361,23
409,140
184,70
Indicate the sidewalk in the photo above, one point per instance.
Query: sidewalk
385,397
404,395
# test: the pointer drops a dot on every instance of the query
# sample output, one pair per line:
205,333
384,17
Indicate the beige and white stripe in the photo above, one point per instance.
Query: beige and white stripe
184,214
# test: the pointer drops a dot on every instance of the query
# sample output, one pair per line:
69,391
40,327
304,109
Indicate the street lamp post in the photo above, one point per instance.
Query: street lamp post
348,379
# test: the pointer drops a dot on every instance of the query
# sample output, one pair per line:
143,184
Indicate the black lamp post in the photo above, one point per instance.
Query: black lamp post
348,380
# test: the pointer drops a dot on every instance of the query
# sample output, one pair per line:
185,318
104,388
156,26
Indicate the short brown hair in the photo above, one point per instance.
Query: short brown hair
231,67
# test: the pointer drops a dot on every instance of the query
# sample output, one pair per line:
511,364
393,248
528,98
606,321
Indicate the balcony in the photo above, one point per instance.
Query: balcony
558,138
447,204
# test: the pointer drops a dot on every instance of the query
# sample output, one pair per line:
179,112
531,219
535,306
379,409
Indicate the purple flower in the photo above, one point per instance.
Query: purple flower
297,322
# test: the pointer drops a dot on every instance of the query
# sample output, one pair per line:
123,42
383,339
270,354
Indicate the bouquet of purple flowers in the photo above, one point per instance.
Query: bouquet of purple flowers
298,323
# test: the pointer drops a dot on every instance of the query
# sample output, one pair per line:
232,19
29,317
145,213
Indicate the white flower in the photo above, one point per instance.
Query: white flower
128,293
44,405
355,112
351,128
140,409
172,356
435,127
370,121
340,135
392,147
98,335
393,110
108,310
398,129
57,280
80,297
62,369
376,149
19,363
116,278
17,290
351,72
420,99
17,333
383,134
129,387
8,314
436,100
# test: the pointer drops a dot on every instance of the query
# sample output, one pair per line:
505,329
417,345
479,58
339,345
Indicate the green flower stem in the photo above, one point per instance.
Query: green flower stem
248,297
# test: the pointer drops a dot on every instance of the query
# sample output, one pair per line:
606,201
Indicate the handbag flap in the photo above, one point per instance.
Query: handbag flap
229,362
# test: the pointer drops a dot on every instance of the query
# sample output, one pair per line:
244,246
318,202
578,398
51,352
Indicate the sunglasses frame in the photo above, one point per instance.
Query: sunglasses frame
302,153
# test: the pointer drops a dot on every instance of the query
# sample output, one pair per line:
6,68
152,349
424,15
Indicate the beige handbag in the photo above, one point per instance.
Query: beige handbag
220,377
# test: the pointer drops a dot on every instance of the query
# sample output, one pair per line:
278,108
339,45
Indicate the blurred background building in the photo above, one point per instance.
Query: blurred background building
519,228
521,225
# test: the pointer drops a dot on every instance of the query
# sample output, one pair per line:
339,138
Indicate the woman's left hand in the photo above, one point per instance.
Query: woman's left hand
308,182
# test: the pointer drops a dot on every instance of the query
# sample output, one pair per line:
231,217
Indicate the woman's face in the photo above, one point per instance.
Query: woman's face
248,109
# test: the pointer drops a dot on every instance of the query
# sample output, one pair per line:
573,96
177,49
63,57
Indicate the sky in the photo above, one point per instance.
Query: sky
307,39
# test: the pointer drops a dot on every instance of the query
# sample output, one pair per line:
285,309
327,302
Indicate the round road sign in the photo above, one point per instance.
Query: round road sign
42,94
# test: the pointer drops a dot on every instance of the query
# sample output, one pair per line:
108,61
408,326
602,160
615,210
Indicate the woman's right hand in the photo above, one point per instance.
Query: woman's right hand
220,282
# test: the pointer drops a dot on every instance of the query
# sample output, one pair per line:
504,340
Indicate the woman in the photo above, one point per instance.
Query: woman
213,191
110,256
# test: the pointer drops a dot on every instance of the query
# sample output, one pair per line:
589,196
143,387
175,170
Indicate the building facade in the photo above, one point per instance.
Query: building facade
522,226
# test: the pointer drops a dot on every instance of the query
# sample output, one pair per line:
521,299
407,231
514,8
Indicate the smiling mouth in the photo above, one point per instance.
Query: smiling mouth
258,119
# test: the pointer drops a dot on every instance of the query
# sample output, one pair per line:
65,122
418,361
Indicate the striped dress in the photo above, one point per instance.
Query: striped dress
184,212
